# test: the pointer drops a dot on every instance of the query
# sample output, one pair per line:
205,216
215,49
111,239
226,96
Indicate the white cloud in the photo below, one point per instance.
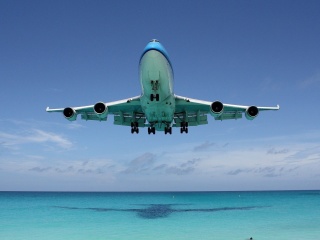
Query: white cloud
140,164
73,167
313,81
273,163
34,136
204,146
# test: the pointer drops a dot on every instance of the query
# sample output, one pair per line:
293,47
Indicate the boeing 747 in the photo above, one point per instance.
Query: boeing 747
158,108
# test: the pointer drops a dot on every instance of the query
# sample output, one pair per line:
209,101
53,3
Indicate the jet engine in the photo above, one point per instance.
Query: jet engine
70,114
252,112
216,109
101,110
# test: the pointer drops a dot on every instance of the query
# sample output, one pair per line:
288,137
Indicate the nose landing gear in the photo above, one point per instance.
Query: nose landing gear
154,97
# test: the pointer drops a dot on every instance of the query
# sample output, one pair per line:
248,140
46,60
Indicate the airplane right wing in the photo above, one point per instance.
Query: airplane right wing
195,112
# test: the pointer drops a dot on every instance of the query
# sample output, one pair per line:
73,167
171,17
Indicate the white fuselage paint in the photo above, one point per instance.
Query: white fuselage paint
155,67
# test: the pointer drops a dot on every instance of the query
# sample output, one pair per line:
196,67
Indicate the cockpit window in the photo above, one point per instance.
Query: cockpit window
154,40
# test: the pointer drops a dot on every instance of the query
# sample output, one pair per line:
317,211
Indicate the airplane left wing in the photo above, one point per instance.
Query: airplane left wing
195,112
125,112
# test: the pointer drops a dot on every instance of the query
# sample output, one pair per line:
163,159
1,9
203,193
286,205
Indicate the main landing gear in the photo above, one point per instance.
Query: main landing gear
184,127
151,130
134,127
168,130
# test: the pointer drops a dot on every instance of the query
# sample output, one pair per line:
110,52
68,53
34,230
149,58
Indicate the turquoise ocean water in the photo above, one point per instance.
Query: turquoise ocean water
166,215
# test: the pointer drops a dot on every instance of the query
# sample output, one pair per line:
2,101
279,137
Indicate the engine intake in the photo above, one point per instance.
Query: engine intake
101,110
70,114
252,112
216,108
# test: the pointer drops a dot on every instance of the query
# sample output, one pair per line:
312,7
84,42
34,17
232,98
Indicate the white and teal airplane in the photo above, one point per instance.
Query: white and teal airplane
158,108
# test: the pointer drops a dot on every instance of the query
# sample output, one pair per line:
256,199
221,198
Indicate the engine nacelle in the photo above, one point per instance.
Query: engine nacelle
252,112
70,114
101,110
216,108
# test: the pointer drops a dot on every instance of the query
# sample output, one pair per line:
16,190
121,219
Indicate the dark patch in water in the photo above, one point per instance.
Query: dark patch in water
311,193
153,211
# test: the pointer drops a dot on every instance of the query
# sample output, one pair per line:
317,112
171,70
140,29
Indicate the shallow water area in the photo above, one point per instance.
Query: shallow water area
161,215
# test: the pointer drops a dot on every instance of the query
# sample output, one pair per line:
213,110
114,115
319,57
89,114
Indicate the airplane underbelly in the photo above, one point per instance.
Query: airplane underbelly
160,112
156,79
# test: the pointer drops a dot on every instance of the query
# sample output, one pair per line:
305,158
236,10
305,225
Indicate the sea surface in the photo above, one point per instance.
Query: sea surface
275,215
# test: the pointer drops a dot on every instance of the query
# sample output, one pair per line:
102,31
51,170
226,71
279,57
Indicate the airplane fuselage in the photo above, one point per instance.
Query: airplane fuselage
156,78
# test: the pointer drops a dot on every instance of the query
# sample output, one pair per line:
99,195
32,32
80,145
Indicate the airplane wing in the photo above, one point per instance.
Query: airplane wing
125,112
195,111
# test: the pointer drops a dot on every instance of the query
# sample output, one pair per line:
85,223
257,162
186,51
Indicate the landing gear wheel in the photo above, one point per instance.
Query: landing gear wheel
154,96
151,130
168,130
134,127
184,127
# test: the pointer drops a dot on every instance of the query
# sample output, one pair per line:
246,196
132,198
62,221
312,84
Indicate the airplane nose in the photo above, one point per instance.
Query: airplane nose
154,40
153,54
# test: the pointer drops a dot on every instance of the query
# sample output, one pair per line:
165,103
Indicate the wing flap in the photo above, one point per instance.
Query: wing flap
229,115
125,119
86,116
193,118
193,111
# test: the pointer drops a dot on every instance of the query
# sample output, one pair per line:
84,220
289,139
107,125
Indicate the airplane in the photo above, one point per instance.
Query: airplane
158,108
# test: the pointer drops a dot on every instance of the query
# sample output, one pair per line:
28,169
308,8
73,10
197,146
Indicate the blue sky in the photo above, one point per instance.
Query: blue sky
73,53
